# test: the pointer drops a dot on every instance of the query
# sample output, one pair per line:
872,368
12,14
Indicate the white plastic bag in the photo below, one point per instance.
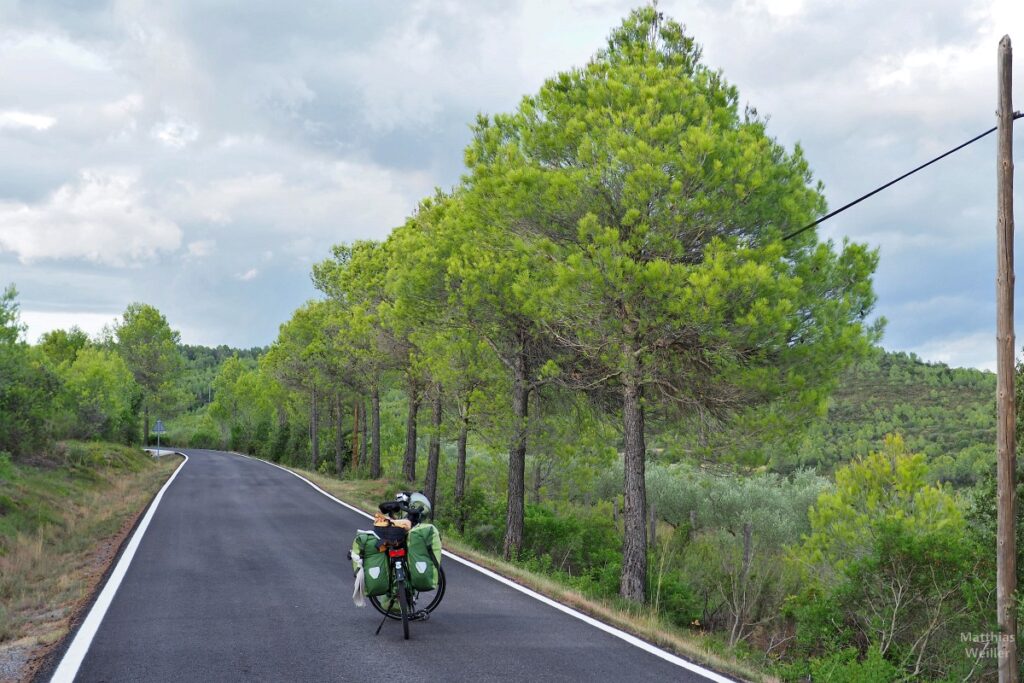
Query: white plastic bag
358,597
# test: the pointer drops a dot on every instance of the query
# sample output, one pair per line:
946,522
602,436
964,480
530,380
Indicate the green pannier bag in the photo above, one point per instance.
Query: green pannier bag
424,546
376,580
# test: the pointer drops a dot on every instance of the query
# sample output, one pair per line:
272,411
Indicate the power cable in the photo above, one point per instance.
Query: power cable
1016,115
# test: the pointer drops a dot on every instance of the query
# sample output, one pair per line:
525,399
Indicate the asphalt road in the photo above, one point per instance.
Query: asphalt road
242,576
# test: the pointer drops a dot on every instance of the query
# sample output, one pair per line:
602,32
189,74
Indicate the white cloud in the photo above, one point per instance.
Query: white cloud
776,8
420,68
121,116
103,218
287,92
273,130
41,322
21,119
974,350
175,133
248,275
125,107
340,199
58,48
47,71
229,141
201,248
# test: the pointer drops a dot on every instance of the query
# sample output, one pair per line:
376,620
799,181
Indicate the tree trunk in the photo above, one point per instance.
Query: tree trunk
362,430
375,453
460,469
513,543
314,429
355,429
145,425
434,451
740,599
409,463
632,582
339,439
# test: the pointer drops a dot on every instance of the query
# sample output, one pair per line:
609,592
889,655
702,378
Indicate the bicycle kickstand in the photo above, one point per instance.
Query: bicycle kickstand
391,604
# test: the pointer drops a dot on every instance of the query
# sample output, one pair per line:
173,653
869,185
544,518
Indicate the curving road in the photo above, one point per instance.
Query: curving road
241,575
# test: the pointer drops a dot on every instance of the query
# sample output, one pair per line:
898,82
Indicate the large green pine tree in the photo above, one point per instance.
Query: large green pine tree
657,209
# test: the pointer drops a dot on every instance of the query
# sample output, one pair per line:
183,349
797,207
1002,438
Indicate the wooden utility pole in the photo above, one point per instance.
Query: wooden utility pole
1006,465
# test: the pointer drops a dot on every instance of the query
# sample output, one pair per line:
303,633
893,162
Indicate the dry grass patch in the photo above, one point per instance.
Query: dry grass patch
61,528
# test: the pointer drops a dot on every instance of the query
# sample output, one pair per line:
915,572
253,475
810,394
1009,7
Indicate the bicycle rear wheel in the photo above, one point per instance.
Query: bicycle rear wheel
395,611
403,601
381,606
438,592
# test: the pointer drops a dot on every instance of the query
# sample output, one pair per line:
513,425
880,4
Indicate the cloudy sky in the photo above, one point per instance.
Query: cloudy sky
200,155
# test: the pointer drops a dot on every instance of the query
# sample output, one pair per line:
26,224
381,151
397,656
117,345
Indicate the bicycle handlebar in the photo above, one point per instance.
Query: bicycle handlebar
392,506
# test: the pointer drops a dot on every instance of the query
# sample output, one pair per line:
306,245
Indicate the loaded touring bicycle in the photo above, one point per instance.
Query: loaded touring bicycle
397,564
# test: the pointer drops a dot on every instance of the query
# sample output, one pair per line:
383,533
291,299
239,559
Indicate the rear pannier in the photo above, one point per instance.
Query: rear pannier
376,580
424,546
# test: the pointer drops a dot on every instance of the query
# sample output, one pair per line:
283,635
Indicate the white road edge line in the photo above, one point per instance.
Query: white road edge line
622,635
75,654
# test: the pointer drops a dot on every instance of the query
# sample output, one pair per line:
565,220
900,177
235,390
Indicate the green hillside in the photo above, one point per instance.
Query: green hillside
946,413
201,365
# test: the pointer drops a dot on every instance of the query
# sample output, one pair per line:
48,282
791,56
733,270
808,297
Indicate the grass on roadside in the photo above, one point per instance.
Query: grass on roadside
640,621
62,519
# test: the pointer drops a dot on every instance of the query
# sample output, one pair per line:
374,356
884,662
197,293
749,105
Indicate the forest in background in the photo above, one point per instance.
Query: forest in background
616,370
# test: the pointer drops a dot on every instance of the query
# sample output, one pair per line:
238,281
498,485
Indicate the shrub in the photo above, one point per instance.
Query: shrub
670,589
6,466
28,392
577,539
282,435
204,438
98,395
846,666
890,566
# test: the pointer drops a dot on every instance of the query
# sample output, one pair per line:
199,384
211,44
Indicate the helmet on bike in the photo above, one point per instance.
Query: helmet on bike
417,501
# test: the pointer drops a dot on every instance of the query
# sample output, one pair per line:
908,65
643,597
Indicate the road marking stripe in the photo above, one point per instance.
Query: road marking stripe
622,635
75,654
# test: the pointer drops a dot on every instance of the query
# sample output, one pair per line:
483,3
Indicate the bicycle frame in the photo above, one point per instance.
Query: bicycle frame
396,557
404,594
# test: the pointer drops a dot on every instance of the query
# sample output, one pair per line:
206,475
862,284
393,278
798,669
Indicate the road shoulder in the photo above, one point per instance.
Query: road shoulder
44,657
